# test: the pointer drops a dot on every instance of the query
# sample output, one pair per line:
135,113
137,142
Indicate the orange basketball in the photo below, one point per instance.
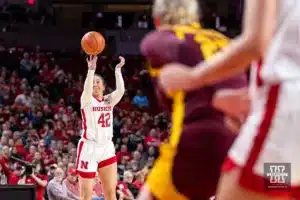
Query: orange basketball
92,43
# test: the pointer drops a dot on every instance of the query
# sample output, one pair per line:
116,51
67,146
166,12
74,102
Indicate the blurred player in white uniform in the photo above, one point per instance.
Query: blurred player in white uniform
271,133
96,150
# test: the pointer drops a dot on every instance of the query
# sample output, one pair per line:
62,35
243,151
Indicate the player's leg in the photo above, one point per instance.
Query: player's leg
85,188
108,176
261,146
86,167
108,173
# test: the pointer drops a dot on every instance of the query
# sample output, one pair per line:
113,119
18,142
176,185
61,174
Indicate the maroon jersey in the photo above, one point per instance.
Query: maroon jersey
204,137
162,47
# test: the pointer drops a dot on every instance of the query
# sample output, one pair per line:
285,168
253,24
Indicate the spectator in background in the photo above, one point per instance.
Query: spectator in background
16,174
137,157
56,190
51,172
140,178
123,153
143,22
4,161
3,177
122,166
140,100
38,178
30,155
125,186
152,139
26,66
71,183
137,138
24,99
37,97
98,191
46,76
3,141
4,92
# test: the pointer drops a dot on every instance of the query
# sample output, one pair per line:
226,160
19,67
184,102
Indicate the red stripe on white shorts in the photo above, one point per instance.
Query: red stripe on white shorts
107,162
84,124
89,175
79,149
263,131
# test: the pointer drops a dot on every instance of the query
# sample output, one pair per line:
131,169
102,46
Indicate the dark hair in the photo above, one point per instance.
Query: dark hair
65,150
99,76
43,169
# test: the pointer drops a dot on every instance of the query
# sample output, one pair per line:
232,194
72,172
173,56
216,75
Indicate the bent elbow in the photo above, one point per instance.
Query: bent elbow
255,45
44,183
121,93
123,90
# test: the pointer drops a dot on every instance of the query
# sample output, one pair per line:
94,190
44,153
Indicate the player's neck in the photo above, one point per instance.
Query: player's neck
169,27
164,27
98,96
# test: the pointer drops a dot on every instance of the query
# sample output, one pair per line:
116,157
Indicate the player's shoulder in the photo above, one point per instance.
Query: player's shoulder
212,34
158,39
161,47
107,99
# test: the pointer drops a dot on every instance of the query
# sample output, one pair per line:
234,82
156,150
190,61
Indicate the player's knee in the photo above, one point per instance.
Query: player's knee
110,193
85,196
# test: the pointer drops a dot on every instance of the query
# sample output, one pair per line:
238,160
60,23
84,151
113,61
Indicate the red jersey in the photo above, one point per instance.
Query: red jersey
39,189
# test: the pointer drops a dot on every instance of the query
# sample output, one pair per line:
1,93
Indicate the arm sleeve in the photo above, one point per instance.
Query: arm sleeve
87,93
120,87
5,169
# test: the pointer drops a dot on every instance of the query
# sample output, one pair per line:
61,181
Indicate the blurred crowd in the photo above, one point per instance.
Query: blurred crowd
41,122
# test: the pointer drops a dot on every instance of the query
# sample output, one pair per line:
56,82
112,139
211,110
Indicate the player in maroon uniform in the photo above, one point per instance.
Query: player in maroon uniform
264,149
188,165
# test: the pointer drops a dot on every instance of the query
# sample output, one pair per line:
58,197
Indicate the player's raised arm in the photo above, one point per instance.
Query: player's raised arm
120,86
259,24
87,93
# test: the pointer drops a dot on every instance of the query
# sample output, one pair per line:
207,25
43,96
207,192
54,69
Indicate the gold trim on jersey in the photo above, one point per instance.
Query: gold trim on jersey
160,179
154,72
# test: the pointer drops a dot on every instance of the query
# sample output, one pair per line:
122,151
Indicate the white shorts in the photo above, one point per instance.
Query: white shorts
269,142
92,156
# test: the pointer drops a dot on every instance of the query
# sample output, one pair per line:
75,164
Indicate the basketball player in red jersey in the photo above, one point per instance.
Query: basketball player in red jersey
96,151
188,165
261,164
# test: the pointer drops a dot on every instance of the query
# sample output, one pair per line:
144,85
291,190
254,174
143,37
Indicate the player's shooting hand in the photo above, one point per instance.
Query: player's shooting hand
92,62
122,62
176,76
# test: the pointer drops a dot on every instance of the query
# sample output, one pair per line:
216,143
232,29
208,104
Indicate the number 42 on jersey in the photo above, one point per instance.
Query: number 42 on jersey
104,120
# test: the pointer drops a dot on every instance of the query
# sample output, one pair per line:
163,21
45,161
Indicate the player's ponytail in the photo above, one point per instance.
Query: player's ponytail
176,12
